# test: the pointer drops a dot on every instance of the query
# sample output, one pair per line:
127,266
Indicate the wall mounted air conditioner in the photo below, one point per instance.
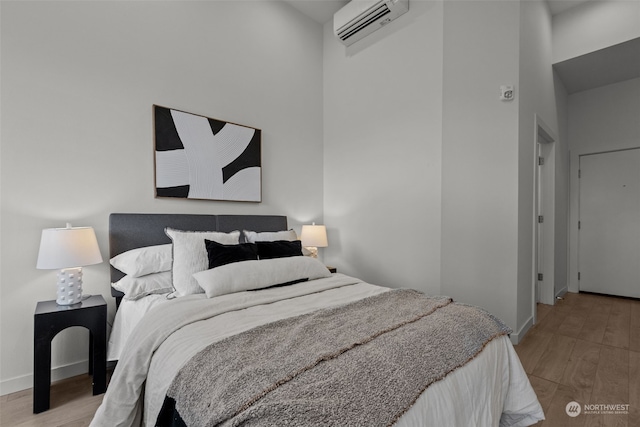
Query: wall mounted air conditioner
359,18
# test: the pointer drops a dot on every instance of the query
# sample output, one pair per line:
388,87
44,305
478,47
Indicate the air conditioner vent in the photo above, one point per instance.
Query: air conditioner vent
360,18
364,21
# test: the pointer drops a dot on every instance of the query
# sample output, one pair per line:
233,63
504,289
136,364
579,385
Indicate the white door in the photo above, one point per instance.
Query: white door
609,235
544,219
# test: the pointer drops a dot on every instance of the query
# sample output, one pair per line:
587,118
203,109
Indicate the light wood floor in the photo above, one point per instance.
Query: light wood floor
72,405
585,349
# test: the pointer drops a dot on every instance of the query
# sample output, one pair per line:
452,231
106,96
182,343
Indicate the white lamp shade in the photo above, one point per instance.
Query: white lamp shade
314,236
68,247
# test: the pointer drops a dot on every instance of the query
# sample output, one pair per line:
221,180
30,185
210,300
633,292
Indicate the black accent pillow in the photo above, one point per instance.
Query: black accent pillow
220,254
279,249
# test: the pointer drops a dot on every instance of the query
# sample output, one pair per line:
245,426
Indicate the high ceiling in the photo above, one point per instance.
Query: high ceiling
606,66
603,67
322,11
557,6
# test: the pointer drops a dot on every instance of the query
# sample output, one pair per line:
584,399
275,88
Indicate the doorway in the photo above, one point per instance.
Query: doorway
543,288
609,223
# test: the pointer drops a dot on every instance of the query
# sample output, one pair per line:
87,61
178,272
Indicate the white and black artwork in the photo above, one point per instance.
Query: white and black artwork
202,158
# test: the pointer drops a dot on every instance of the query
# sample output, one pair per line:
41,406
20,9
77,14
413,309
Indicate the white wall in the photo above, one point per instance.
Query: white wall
561,279
480,156
537,97
599,120
595,120
78,83
605,118
382,136
594,25
423,180
487,152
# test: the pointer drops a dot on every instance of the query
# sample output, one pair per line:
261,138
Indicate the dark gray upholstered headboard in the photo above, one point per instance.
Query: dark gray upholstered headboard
135,230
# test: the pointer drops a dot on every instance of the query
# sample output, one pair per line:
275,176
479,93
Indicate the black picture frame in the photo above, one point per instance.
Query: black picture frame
202,158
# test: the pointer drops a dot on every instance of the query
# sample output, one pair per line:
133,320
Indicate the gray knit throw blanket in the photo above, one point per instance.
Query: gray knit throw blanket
361,364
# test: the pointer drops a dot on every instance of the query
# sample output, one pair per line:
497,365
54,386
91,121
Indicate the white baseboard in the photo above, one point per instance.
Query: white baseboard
516,337
562,292
26,381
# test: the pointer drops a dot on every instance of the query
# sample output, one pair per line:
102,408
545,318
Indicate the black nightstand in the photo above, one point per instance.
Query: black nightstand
51,318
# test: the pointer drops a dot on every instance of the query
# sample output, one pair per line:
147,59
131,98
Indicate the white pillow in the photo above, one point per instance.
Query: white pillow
269,236
141,261
138,287
247,275
190,256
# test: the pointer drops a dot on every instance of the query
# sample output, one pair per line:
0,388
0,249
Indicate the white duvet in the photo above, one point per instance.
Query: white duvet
491,390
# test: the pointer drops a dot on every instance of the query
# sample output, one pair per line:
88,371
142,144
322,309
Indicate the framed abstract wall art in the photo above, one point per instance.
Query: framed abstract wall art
197,157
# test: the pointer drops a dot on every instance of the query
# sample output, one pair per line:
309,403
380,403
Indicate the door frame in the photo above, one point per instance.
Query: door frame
574,206
545,142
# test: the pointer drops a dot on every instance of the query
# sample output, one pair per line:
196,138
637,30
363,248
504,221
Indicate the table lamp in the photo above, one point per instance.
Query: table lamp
314,237
68,250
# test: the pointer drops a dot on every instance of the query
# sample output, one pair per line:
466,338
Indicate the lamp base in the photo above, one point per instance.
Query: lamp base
69,286
313,251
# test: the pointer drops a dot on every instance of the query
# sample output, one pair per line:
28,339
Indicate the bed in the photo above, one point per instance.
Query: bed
265,336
